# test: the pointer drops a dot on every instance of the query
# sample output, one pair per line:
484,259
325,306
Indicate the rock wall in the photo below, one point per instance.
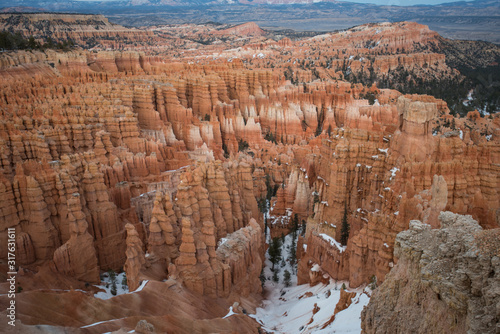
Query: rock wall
385,177
446,281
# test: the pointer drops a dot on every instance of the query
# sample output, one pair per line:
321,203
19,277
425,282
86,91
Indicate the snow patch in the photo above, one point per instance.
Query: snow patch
394,170
230,313
106,285
333,242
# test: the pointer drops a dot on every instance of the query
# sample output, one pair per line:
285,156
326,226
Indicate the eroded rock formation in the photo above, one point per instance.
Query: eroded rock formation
446,281
180,154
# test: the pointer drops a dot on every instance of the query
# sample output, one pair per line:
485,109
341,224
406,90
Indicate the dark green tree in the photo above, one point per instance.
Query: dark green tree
275,251
287,278
226,152
112,276
292,258
124,282
242,145
275,276
344,231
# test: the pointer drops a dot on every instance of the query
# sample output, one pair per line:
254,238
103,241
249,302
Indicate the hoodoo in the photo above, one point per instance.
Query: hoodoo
237,180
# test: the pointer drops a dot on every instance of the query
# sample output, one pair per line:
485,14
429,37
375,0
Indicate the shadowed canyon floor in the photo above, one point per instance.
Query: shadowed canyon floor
162,165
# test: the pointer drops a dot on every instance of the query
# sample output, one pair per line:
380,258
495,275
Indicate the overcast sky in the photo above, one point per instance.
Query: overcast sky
377,2
403,2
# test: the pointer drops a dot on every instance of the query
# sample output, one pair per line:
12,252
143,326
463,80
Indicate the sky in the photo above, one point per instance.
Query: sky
403,2
377,2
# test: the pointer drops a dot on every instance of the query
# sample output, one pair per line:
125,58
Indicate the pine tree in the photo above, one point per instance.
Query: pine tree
295,225
275,251
112,276
262,278
303,228
275,276
124,282
292,258
344,231
287,278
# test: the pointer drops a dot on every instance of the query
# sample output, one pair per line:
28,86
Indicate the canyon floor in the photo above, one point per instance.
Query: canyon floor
202,178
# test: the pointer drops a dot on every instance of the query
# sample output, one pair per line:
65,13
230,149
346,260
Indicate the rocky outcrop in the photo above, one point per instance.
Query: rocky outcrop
446,281
243,252
135,258
77,257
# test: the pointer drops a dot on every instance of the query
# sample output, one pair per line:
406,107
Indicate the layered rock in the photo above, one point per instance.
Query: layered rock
77,257
446,281
135,258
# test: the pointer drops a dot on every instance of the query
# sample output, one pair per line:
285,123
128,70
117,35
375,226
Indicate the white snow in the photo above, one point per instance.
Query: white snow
315,268
100,322
374,156
461,135
333,242
396,213
386,245
120,289
143,284
221,241
106,285
383,150
394,170
289,310
230,313
488,137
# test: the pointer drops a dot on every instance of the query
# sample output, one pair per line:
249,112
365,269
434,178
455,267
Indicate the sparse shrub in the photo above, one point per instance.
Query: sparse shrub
242,145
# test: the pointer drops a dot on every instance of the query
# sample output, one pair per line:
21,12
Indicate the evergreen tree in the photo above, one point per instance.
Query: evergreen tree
292,258
112,276
344,231
242,145
295,225
226,152
275,251
124,282
287,278
275,276
303,228
262,278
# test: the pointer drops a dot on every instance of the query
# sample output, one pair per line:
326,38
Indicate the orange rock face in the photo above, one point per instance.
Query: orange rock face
135,257
109,154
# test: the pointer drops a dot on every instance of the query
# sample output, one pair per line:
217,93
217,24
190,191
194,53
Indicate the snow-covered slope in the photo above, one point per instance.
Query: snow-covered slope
306,309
